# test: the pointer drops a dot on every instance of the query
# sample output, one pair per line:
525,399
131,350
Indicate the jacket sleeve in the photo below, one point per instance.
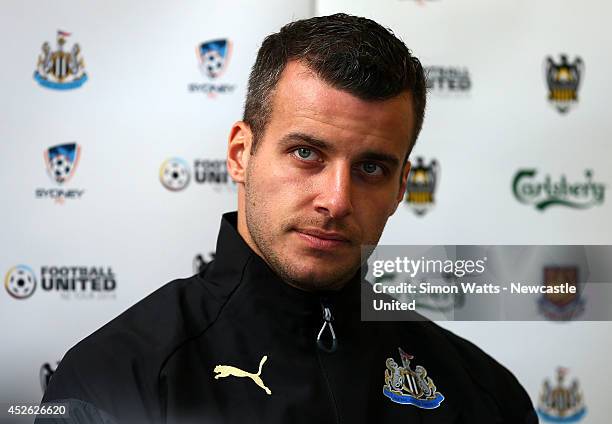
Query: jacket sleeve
78,384
77,412
102,383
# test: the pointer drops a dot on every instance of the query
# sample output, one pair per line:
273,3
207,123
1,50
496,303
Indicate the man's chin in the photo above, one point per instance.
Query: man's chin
321,278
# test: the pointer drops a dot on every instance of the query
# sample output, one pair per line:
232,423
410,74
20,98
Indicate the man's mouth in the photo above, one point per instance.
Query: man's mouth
322,240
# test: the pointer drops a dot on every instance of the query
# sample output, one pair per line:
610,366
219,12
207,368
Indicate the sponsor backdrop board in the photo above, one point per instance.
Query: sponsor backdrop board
113,131
515,149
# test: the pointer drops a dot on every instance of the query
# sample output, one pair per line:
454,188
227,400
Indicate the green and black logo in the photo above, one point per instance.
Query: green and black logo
544,192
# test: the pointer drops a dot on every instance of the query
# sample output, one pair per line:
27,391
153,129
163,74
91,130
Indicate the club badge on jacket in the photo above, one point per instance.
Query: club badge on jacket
410,386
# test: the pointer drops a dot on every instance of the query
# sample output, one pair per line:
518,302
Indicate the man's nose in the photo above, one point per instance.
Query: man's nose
334,198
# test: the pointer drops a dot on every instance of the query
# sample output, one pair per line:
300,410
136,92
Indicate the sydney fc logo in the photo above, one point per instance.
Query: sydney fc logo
563,79
59,69
214,56
421,186
410,387
62,161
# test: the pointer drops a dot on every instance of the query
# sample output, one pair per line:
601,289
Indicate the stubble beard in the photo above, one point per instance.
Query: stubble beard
259,225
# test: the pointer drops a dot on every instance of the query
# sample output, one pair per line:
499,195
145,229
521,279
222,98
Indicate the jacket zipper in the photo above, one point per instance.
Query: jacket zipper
327,324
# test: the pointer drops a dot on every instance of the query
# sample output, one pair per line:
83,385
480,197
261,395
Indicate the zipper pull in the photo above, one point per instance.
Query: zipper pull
327,322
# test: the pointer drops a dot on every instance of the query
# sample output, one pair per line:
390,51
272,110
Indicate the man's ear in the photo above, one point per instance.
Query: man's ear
239,150
402,189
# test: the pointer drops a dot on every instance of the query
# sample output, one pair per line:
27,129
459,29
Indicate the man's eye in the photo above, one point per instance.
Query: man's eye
371,168
305,154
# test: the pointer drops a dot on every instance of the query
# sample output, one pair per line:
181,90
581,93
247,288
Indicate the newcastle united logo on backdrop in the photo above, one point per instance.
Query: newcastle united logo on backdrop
563,79
59,69
410,387
561,306
421,186
561,403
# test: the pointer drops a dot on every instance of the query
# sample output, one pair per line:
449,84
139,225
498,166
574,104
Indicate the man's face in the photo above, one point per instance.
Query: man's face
324,179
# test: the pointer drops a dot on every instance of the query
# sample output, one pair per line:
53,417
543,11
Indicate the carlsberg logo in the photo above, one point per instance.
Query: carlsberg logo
530,189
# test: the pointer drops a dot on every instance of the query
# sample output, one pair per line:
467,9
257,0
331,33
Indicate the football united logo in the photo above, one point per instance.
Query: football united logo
410,387
62,161
421,186
59,69
174,174
214,57
20,282
563,79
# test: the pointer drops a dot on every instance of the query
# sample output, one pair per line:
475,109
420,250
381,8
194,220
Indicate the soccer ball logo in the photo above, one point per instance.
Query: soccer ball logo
174,174
214,57
62,161
20,282
60,167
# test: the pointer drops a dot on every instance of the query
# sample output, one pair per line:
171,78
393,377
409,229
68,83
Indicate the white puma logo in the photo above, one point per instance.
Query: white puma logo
227,370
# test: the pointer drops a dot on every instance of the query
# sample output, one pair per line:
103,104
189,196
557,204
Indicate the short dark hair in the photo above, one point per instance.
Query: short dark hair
349,53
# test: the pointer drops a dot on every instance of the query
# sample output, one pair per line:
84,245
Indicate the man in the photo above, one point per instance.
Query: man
270,331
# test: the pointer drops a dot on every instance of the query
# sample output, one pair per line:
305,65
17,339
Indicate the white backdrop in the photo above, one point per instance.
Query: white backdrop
135,111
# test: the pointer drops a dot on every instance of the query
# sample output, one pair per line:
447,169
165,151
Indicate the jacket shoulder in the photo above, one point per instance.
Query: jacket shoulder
492,377
128,353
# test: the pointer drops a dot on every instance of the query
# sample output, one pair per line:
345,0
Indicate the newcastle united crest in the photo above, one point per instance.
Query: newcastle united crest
421,186
214,57
561,403
410,387
62,161
563,79
59,69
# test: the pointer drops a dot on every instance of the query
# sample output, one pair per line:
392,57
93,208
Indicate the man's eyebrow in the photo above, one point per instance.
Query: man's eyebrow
291,138
308,139
391,160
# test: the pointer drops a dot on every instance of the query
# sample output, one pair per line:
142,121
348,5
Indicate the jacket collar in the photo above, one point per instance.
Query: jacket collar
237,264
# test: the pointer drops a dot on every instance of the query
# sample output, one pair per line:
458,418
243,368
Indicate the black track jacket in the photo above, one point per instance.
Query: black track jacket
238,322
